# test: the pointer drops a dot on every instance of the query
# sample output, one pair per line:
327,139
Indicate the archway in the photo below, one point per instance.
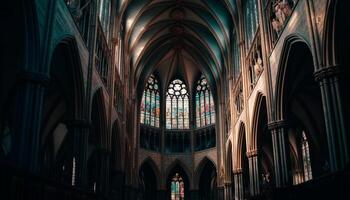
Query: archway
116,173
176,176
148,181
265,176
229,170
207,180
244,176
302,110
97,145
62,106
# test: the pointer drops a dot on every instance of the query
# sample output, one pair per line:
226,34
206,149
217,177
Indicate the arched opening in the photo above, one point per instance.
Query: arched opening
178,184
116,174
229,169
265,151
61,105
95,144
244,162
208,181
147,182
303,112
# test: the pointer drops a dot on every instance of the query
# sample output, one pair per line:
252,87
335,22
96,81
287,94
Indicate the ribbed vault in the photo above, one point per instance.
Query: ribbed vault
178,38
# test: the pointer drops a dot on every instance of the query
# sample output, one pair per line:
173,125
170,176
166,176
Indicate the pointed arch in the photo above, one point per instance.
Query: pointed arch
178,168
241,140
150,162
260,99
99,132
199,169
116,145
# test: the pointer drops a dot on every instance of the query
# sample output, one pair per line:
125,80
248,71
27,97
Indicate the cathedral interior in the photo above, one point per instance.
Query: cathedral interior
174,100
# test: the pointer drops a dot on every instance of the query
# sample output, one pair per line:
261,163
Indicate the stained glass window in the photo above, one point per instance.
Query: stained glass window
177,188
205,109
251,20
150,103
306,157
177,106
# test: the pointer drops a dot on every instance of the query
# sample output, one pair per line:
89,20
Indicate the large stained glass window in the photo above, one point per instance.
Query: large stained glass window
306,157
205,109
177,188
177,106
150,103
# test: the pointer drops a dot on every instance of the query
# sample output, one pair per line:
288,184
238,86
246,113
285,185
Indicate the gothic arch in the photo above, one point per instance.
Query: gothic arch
116,145
290,41
149,161
229,163
178,167
298,100
99,119
62,107
199,170
241,140
206,178
260,98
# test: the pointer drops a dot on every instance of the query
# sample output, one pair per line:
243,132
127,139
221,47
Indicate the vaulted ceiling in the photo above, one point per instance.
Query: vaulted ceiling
178,38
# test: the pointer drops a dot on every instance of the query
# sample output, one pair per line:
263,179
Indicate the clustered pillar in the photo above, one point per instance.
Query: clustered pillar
238,178
279,135
328,78
27,116
254,172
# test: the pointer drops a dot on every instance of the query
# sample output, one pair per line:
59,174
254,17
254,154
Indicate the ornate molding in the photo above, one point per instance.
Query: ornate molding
237,171
277,124
252,153
326,72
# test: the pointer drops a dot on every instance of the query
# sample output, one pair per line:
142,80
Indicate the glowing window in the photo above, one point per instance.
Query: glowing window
205,109
177,188
177,106
150,103
306,157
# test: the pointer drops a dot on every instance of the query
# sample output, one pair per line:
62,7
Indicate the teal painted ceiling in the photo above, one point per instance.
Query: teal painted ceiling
178,37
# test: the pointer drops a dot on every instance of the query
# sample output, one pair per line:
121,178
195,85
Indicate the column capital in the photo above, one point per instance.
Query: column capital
35,77
326,72
237,171
277,124
252,153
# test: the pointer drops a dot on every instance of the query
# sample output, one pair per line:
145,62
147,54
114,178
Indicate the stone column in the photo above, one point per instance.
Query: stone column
78,131
26,123
238,178
328,78
279,140
228,190
253,173
220,193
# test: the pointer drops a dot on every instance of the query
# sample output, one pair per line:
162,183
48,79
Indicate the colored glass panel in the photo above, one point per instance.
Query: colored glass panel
150,103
